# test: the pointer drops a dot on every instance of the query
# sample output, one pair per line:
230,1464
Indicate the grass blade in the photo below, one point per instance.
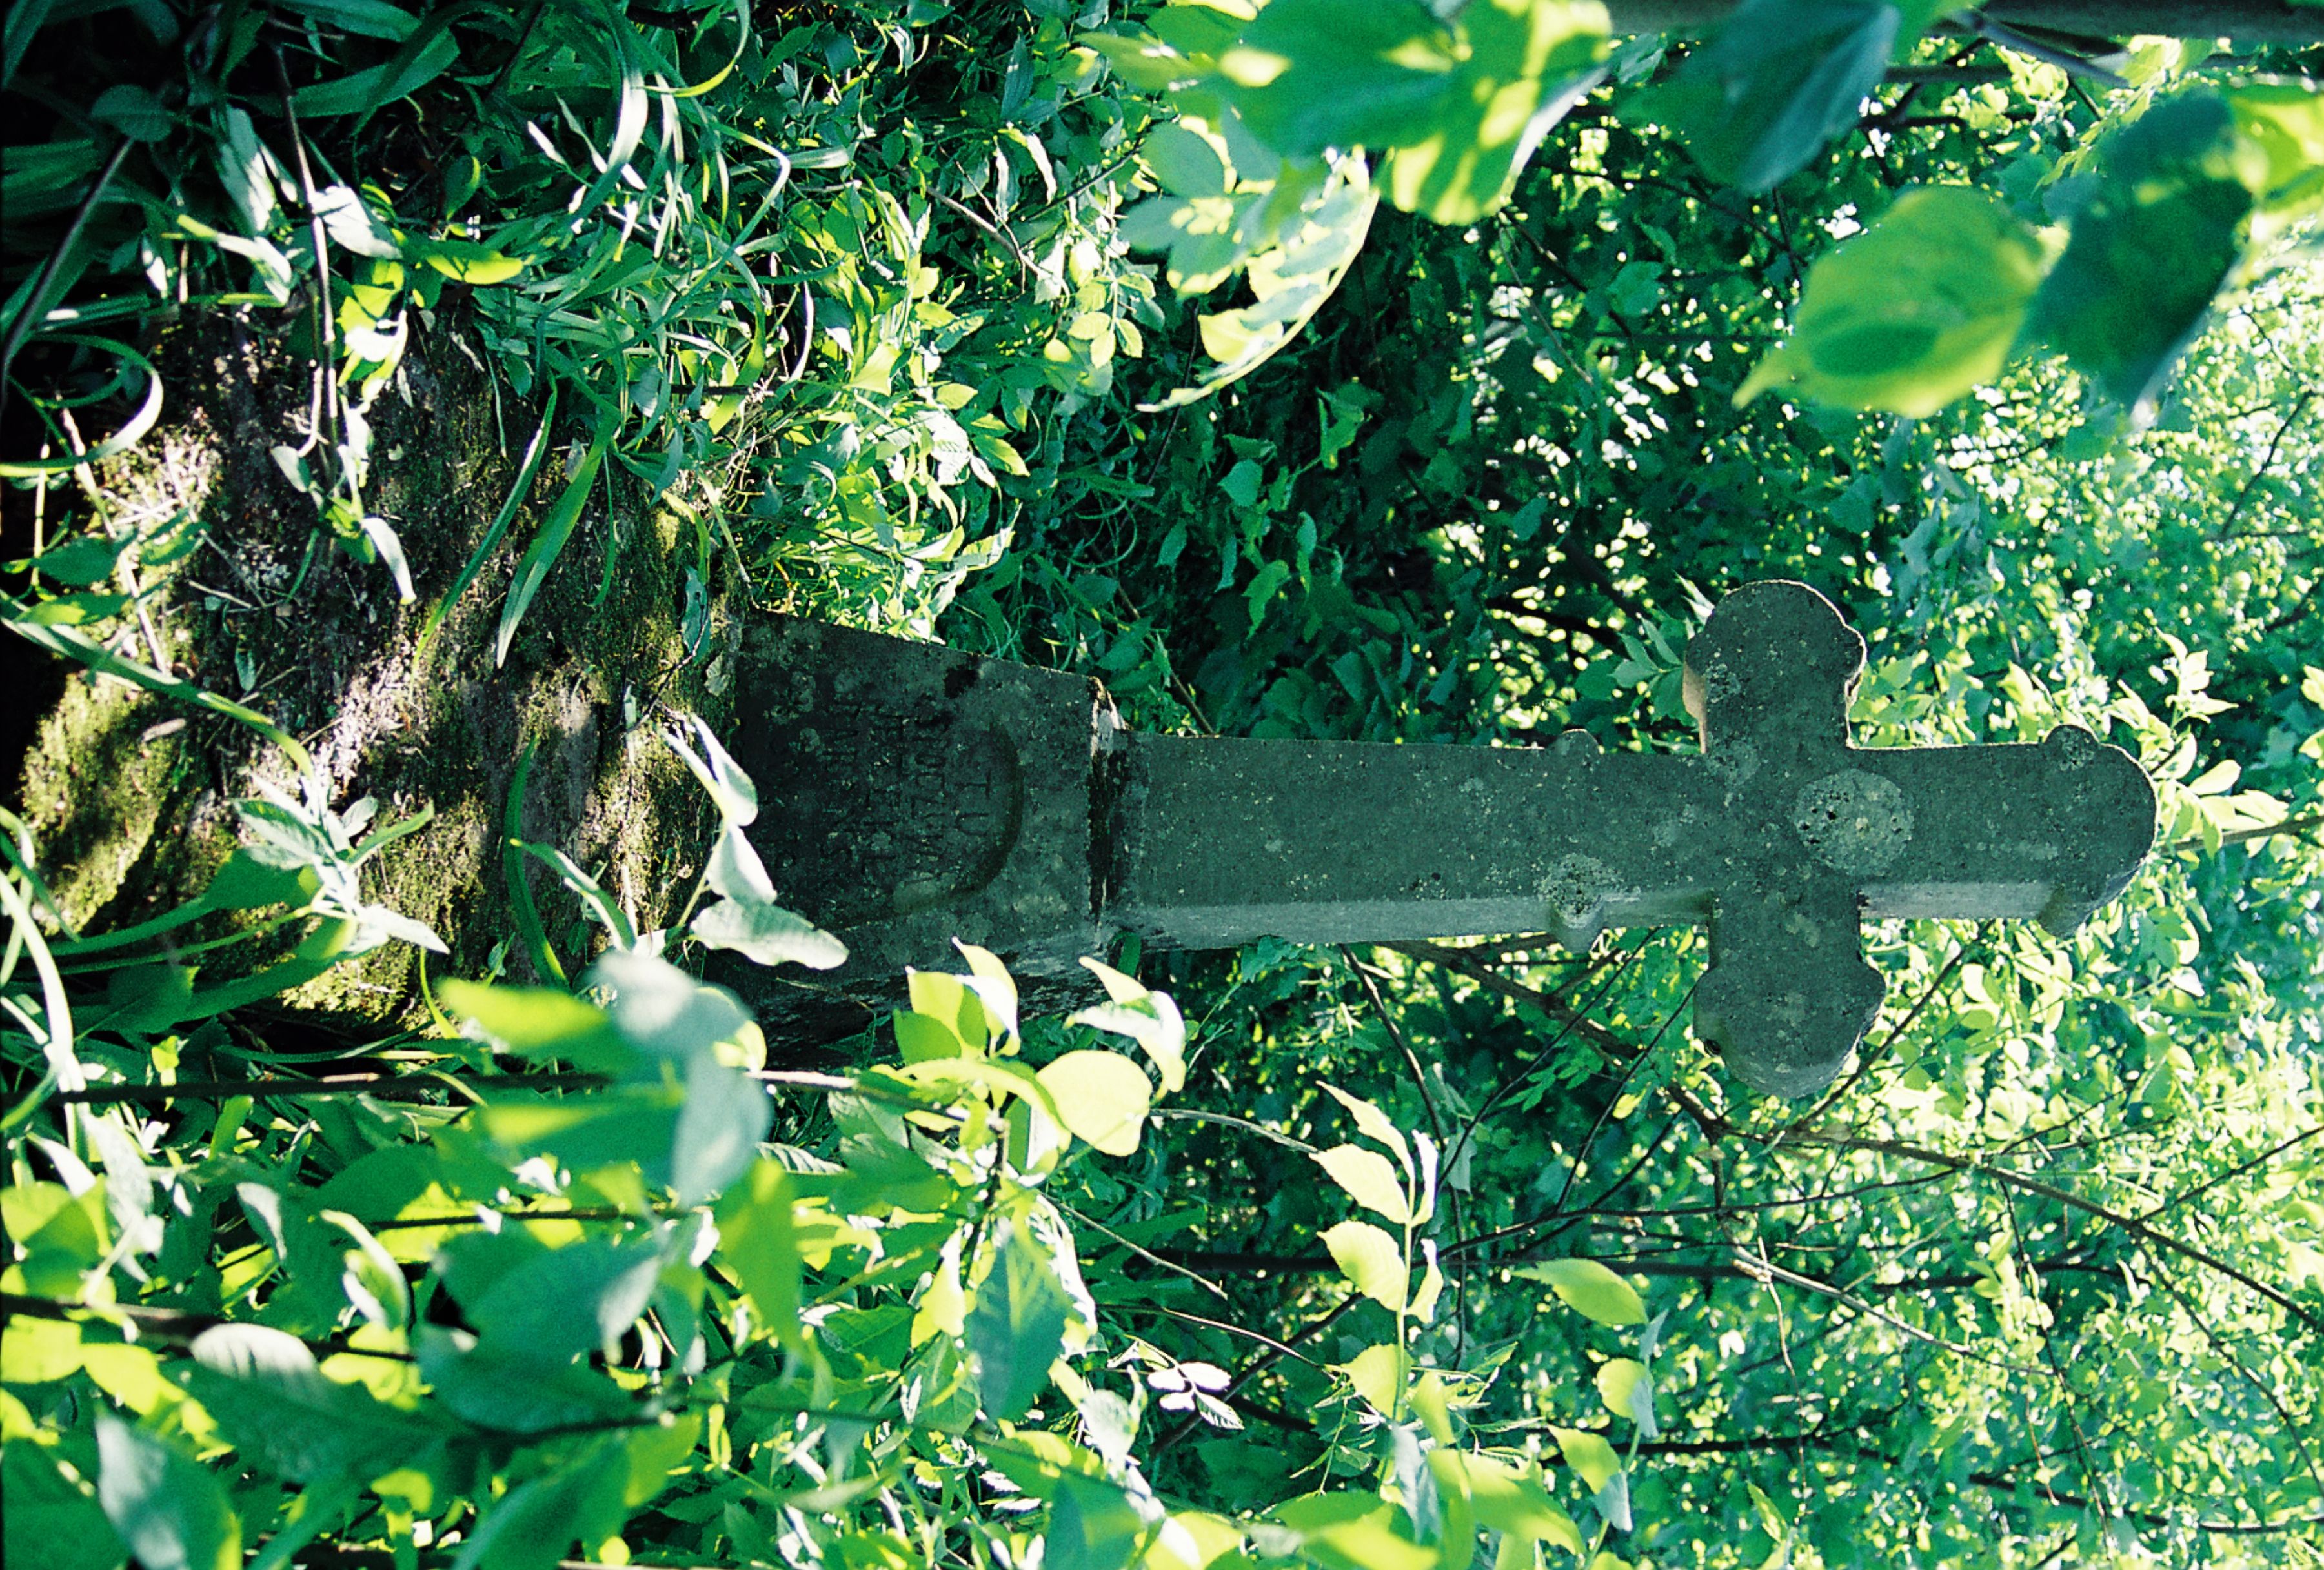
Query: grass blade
533,570
501,521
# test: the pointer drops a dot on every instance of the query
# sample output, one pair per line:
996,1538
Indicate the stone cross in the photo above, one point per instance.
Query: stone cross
920,793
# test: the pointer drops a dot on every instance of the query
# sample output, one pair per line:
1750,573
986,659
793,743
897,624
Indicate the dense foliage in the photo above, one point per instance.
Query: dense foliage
1379,1259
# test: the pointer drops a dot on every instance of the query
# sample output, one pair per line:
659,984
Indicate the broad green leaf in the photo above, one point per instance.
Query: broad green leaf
1091,1525
1378,1374
538,1023
767,934
996,989
2286,121
516,1391
1371,1261
34,1350
1373,1124
284,1416
167,1507
531,1526
131,1375
1353,1531
1016,1326
1592,1459
1915,312
88,559
1461,103
1150,1019
566,1301
49,1520
1783,77
1589,1288
1187,162
719,1130
2161,230
757,1238
1368,1178
1505,1501
463,261
1101,1096
1290,281
1626,1390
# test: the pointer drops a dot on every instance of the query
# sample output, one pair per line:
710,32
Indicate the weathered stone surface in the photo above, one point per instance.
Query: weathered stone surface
919,793
915,794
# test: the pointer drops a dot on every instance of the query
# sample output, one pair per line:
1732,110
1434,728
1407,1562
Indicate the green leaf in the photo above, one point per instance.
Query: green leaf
83,561
1101,1096
1463,104
34,1350
286,1417
532,570
531,1526
1783,77
725,1116
1592,1458
563,1302
1371,1261
538,1023
1378,1374
1368,1178
1091,1525
1915,312
2159,234
167,1507
729,785
49,1520
766,933
1505,1501
1627,1390
1594,1462
1588,1289
365,91
2285,122
758,1239
1150,1019
1187,162
132,110
1016,1327
1373,1124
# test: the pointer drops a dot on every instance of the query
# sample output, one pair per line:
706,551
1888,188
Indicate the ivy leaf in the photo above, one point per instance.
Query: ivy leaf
1369,1179
1588,1289
167,1507
1102,1098
1371,1261
1017,1326
1915,312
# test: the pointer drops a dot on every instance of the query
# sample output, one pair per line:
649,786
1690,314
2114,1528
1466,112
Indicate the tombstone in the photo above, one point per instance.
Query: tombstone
918,793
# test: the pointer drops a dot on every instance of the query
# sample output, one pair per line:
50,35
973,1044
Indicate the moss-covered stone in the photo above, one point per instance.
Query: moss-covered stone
131,795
